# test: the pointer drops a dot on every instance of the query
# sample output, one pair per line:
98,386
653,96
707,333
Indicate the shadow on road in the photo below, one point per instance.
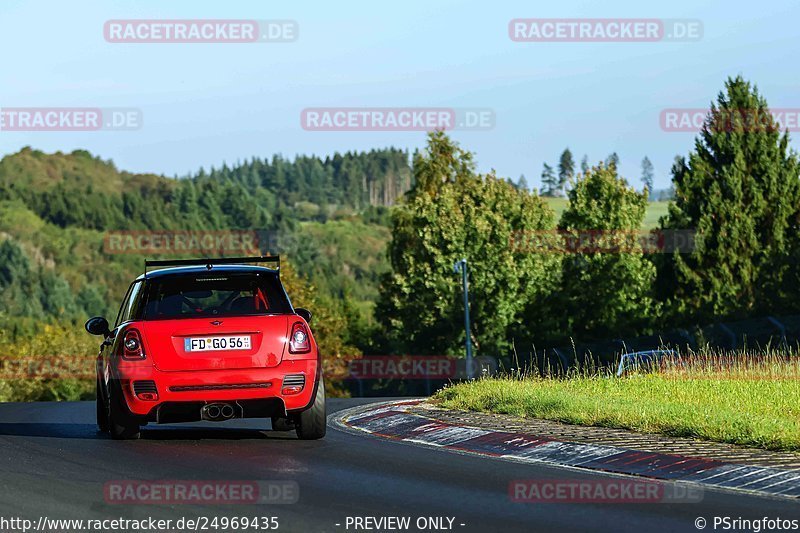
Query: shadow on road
89,431
197,433
64,431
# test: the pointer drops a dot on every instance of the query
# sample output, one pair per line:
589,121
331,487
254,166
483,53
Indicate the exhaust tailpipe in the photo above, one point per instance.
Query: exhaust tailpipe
216,412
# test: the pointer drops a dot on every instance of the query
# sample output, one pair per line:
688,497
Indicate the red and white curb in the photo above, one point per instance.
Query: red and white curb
394,420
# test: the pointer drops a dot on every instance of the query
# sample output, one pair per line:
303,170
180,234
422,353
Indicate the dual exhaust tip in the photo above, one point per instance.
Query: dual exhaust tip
218,412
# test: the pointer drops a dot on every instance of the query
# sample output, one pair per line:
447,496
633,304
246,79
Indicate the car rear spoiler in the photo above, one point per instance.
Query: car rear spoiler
210,262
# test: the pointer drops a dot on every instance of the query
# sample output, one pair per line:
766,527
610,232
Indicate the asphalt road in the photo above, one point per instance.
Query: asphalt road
53,463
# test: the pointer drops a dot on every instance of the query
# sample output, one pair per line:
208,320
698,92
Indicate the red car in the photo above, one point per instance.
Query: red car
208,340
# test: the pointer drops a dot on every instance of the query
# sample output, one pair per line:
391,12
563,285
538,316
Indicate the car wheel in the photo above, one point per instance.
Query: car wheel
122,425
311,423
280,423
102,410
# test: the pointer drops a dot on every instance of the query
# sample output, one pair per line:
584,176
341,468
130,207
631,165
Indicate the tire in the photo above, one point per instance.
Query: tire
122,425
102,410
280,423
311,423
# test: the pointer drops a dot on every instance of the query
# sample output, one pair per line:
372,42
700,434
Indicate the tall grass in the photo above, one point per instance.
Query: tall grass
748,398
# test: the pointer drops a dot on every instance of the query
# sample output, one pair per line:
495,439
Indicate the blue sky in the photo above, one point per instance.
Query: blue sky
208,103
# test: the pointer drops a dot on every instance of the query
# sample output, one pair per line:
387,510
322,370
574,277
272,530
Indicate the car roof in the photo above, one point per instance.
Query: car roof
198,269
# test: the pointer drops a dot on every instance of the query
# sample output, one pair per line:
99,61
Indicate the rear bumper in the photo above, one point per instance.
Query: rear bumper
207,386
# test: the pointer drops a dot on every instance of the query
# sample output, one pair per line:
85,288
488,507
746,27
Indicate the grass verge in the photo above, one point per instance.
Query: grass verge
755,405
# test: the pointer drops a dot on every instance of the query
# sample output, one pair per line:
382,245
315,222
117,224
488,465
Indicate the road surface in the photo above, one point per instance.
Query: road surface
54,464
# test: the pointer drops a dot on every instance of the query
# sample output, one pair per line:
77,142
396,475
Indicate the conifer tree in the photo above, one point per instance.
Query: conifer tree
738,190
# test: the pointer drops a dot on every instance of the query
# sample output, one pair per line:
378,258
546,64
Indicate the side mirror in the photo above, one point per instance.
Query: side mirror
305,313
97,326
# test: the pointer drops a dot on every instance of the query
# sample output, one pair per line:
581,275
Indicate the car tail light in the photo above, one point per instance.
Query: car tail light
299,341
132,345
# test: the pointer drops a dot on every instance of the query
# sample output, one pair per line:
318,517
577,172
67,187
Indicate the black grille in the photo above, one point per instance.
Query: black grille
143,386
230,386
294,380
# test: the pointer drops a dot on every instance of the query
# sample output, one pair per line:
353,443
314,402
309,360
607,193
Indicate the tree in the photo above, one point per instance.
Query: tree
612,160
585,164
56,296
647,175
566,169
549,181
605,291
522,183
93,302
18,283
665,195
330,325
28,291
738,191
454,213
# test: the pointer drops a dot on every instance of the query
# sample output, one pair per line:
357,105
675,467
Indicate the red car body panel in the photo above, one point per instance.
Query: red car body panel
129,372
164,342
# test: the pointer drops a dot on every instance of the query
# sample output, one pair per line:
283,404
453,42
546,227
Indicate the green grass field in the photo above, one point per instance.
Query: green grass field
755,405
655,210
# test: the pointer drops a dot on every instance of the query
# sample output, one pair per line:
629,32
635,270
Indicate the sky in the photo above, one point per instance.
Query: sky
206,104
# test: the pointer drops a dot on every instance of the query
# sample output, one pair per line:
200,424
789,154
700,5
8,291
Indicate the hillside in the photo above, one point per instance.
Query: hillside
35,170
56,209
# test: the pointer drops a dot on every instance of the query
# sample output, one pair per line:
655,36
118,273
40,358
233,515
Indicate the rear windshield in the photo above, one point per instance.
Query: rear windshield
214,295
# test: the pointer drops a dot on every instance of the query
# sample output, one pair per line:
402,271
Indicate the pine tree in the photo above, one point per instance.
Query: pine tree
647,175
566,169
522,183
549,181
738,190
585,164
612,160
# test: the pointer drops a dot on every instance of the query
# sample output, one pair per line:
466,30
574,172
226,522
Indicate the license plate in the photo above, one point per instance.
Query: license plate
210,344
